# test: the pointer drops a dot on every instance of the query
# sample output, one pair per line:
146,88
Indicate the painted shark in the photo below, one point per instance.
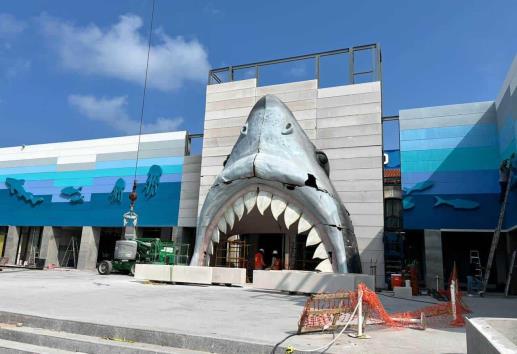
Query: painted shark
275,168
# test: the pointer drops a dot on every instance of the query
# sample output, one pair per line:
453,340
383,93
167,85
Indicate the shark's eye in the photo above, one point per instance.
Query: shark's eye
288,129
244,129
323,161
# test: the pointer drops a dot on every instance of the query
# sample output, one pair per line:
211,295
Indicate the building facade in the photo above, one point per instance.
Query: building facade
429,197
63,202
450,159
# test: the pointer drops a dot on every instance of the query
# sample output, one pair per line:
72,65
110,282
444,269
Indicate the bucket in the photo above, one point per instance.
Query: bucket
396,280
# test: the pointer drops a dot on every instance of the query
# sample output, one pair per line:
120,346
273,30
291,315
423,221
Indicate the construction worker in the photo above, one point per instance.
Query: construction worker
503,179
275,261
259,260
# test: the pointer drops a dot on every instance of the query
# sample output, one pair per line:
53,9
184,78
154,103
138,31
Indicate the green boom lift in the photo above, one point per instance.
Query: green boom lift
141,250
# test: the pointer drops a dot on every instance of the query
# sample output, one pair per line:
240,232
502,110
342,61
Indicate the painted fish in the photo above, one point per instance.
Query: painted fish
456,203
420,186
70,191
28,196
77,198
15,186
407,203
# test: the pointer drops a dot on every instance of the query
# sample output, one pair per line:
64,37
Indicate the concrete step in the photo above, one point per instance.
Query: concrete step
154,336
10,347
72,342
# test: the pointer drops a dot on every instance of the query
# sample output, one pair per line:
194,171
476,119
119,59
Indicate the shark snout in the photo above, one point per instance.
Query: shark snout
267,167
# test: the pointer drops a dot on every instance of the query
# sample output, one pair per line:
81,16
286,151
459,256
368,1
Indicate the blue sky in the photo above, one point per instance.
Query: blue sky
74,69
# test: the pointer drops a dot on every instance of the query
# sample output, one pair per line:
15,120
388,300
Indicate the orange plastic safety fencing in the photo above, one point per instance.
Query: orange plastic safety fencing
329,311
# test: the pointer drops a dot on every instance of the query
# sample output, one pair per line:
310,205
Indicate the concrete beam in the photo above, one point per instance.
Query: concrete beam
89,248
49,246
433,258
11,243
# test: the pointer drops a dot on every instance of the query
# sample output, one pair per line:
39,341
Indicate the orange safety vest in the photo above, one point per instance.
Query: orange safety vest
259,261
276,263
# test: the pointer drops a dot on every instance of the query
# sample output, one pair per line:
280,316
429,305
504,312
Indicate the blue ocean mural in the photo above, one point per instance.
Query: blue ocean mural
96,195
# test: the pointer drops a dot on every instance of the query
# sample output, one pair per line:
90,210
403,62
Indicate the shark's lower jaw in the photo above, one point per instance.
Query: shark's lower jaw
258,206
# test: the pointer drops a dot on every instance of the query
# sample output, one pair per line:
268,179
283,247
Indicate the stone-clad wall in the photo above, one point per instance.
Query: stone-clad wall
343,121
189,191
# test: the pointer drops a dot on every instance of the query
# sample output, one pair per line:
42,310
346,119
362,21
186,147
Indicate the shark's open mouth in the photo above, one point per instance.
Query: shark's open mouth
259,208
275,177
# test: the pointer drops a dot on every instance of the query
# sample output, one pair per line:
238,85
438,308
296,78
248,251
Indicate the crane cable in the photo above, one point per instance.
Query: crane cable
133,195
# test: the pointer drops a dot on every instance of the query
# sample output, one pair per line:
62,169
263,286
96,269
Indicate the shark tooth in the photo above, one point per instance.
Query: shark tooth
320,252
250,199
263,201
278,206
291,214
210,248
215,236
221,225
238,208
325,266
313,238
303,225
230,217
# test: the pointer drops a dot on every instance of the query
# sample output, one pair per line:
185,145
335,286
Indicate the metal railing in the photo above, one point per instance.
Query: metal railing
227,74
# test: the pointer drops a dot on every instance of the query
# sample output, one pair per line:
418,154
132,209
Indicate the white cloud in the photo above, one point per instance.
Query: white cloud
120,52
113,112
10,26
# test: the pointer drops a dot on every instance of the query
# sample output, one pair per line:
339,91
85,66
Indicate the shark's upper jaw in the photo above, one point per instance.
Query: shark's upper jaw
275,170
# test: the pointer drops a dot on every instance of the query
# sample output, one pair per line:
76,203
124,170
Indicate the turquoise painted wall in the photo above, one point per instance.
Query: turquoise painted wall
455,151
77,194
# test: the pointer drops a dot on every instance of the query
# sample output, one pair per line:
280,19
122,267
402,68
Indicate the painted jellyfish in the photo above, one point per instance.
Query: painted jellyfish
118,189
153,180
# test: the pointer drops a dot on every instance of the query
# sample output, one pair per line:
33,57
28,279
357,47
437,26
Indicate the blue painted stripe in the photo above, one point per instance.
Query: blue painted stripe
27,169
507,133
110,172
161,161
450,143
474,182
478,130
415,177
76,182
106,184
459,159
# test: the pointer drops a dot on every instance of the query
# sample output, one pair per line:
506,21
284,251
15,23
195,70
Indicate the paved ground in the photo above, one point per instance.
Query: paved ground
234,313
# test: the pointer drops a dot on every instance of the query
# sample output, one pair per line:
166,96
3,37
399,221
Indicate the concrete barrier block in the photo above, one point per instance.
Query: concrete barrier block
308,282
235,276
402,291
156,272
491,335
368,280
191,274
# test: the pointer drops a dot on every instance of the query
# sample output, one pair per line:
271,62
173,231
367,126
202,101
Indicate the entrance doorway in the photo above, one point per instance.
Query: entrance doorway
28,245
269,243
108,237
456,248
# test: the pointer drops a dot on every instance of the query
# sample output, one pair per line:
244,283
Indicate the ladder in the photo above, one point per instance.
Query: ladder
474,259
31,259
71,250
497,232
510,272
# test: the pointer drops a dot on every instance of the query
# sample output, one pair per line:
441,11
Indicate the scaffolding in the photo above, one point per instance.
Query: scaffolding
232,254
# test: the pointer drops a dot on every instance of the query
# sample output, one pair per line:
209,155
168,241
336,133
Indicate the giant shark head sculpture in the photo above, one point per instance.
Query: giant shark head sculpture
274,165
